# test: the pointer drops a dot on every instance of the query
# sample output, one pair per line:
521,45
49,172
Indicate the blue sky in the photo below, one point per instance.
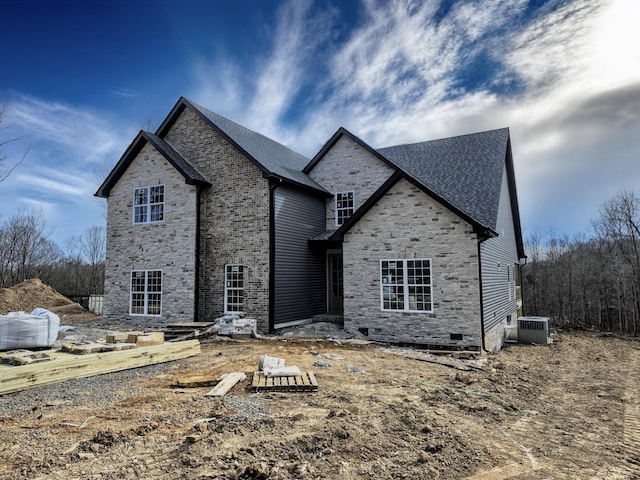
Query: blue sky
83,77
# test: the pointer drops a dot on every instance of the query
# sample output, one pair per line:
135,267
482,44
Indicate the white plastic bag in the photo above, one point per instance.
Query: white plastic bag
23,330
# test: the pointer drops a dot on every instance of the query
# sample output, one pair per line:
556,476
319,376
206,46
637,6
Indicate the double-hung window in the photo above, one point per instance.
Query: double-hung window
344,207
148,204
234,288
405,285
146,292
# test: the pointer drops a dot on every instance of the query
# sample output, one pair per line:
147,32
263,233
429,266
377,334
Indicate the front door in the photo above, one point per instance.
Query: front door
336,287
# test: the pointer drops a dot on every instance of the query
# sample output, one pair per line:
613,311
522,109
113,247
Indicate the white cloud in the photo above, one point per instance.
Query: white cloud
125,92
566,81
85,135
69,144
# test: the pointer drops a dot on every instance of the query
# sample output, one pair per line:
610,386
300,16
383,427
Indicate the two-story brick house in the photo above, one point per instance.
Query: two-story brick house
416,243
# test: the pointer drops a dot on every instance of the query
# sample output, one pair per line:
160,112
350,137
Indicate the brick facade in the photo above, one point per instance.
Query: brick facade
166,246
349,167
207,227
234,218
392,230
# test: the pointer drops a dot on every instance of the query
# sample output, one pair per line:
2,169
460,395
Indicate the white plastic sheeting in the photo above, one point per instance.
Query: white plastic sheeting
28,330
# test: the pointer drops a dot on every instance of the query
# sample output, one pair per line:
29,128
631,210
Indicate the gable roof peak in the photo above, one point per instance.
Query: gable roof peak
272,158
188,171
334,139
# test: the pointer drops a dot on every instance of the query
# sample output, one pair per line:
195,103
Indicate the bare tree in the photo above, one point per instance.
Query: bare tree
24,247
8,136
618,227
94,247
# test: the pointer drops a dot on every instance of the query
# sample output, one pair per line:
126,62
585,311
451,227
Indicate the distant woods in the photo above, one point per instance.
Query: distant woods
589,282
74,269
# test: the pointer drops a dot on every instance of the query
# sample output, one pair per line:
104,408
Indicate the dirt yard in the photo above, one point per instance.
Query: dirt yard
569,410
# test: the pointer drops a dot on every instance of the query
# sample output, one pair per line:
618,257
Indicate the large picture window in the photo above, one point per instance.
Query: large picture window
344,207
234,289
146,292
148,204
405,285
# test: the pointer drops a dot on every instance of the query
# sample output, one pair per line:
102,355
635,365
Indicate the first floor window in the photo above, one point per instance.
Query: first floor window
344,207
406,285
146,292
148,204
234,289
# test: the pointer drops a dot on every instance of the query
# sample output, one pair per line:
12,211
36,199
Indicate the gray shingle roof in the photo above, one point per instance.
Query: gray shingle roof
272,156
190,174
465,170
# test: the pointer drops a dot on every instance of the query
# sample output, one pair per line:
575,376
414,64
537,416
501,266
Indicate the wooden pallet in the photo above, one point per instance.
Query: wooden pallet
305,383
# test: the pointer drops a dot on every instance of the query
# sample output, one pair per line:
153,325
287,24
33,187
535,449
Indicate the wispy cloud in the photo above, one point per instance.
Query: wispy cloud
87,136
565,78
69,144
125,92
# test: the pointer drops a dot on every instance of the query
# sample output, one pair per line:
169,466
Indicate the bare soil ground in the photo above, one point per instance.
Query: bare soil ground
569,410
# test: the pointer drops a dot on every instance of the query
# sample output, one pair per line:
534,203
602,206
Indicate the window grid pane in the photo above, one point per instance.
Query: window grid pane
234,288
406,285
146,292
148,204
344,207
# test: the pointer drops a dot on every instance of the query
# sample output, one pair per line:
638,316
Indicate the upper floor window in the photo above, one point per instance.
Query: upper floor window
344,207
146,292
406,285
148,204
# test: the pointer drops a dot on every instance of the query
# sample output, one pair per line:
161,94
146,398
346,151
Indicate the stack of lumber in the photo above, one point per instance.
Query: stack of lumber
66,365
191,329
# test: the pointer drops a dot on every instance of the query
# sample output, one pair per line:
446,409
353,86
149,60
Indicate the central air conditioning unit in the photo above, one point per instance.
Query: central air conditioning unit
533,330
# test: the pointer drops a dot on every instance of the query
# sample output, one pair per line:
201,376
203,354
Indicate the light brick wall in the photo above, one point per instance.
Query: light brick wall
407,223
494,337
167,245
234,218
349,167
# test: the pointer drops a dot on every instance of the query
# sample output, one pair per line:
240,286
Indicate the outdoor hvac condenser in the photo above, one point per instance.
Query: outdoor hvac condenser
533,330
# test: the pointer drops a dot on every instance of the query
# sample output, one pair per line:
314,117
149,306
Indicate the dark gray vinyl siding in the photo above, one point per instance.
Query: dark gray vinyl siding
497,255
300,286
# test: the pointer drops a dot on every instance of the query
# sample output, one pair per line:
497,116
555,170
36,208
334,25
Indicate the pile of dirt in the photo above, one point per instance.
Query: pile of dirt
32,294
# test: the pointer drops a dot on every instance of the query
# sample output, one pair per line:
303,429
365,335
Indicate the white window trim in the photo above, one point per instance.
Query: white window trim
148,205
146,293
511,282
353,207
405,284
227,289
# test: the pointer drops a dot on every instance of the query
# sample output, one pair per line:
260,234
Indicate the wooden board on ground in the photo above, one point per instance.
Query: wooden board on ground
305,383
175,331
190,325
194,381
226,384
67,366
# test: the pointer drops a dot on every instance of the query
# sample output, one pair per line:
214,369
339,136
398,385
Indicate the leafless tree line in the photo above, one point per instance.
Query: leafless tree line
589,281
26,251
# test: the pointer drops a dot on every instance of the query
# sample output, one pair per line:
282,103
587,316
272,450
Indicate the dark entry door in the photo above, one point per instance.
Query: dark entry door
336,287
